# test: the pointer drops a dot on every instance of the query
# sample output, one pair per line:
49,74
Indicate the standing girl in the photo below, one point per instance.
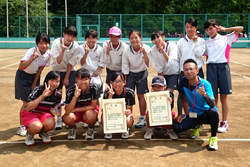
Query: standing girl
112,51
36,115
64,52
136,60
218,71
191,47
164,54
29,71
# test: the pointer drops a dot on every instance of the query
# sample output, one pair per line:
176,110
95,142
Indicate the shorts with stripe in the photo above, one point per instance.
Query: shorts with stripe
140,80
172,81
218,74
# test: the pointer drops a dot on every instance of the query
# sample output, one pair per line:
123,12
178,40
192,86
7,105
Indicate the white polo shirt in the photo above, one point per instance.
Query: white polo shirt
70,55
161,65
94,58
41,60
134,61
113,61
189,49
218,49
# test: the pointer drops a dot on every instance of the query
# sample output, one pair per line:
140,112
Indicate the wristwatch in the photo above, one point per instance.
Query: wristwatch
205,94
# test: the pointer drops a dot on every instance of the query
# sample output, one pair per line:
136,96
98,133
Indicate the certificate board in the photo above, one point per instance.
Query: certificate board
159,109
114,118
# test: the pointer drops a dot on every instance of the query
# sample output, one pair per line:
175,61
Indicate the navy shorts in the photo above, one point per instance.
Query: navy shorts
200,74
109,74
72,80
23,83
218,74
172,81
140,80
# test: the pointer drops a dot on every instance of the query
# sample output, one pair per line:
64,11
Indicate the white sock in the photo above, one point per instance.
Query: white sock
142,117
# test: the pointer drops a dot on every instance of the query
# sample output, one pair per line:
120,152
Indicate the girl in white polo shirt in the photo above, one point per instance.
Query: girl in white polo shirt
112,52
164,54
29,72
91,58
136,60
64,52
218,71
190,47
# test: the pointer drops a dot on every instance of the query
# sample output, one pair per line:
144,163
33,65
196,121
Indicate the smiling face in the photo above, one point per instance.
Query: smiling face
190,71
190,30
91,41
82,83
43,46
159,41
114,39
118,84
135,40
211,31
53,83
68,39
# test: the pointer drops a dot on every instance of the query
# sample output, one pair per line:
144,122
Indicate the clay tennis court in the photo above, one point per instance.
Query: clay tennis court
234,146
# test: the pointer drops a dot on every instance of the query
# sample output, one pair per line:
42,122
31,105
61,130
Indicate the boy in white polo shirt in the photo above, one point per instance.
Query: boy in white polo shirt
218,71
112,51
64,52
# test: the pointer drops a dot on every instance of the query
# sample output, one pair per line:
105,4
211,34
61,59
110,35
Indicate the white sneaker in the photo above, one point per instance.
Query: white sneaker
21,131
141,123
72,133
45,137
171,134
85,125
90,134
148,135
97,124
59,123
224,127
108,136
29,141
125,135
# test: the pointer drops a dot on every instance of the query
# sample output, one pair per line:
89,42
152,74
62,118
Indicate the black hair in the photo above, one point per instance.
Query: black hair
91,32
71,30
157,34
190,61
82,73
134,31
192,21
44,37
51,75
210,22
116,74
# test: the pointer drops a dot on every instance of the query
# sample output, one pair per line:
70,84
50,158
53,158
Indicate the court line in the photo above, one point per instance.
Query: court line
240,63
10,57
113,140
9,65
240,75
